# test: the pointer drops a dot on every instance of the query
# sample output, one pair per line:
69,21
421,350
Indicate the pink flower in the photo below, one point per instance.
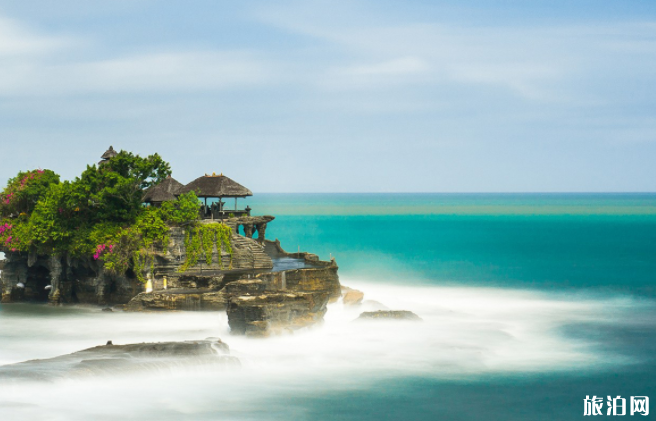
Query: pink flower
102,248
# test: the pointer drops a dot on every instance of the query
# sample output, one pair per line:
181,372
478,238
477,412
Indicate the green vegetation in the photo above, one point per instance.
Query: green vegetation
98,215
200,239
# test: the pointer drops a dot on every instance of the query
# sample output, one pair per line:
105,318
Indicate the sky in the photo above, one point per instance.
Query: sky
338,96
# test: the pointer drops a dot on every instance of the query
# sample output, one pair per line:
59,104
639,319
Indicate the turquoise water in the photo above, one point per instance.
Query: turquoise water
530,302
542,241
514,204
597,244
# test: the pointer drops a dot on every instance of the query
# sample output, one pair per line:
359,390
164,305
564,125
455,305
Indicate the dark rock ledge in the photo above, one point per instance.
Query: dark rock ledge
389,315
125,359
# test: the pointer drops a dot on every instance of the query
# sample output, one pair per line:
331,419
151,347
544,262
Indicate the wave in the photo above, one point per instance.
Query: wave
466,334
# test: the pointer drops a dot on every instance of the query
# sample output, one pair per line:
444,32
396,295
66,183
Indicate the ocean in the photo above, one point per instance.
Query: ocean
529,303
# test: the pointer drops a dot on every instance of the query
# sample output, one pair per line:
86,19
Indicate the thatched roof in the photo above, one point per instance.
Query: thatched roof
216,186
109,153
162,192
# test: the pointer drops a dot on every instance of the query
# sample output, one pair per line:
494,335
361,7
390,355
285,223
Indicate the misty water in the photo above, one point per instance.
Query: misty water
524,313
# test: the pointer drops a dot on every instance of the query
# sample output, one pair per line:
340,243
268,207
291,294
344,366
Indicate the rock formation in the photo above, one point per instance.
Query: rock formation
258,303
285,300
263,288
389,315
124,359
176,253
84,280
351,296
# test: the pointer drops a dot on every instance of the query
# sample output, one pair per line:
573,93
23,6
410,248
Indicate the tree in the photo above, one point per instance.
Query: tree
24,191
113,191
180,211
98,215
41,214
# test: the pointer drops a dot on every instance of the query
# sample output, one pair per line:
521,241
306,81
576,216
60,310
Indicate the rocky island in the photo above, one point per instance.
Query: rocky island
125,234
113,359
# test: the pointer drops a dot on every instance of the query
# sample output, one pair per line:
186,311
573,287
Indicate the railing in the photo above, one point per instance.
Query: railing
208,213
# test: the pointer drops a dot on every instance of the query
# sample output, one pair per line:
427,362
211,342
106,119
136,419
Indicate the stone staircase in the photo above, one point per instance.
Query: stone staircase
249,254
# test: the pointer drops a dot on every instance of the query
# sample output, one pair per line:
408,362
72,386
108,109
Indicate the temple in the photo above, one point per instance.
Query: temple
165,191
216,188
109,154
212,189
262,288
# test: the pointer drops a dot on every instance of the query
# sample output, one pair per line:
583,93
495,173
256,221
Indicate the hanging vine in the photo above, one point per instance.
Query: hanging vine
201,239
135,246
140,259
208,239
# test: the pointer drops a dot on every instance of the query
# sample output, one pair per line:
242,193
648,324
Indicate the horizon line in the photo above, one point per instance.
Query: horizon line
464,192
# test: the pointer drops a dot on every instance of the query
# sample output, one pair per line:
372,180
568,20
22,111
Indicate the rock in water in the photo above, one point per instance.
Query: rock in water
281,301
371,305
264,314
351,296
124,359
389,315
179,299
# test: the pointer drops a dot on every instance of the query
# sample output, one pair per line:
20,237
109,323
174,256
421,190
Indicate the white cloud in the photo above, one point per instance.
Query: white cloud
522,60
164,72
396,67
535,63
17,40
522,78
408,94
376,75
32,64
174,71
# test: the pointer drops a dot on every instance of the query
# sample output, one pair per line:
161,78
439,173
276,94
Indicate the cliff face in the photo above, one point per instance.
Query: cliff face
247,255
258,303
60,279
63,280
263,289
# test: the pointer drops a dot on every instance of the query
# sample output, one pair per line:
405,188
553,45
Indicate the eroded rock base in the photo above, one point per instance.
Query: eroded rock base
389,315
187,300
125,359
262,315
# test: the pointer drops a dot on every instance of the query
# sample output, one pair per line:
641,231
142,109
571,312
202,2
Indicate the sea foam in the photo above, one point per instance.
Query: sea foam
466,334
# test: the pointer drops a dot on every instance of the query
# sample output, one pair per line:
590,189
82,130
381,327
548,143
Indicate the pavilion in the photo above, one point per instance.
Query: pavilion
217,187
109,154
162,192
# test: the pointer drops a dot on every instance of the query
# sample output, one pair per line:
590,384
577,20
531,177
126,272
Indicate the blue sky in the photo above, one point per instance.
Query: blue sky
338,96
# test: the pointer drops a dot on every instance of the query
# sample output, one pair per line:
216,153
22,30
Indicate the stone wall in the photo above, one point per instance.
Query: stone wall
286,300
258,301
247,255
58,279
262,315
211,293
176,300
